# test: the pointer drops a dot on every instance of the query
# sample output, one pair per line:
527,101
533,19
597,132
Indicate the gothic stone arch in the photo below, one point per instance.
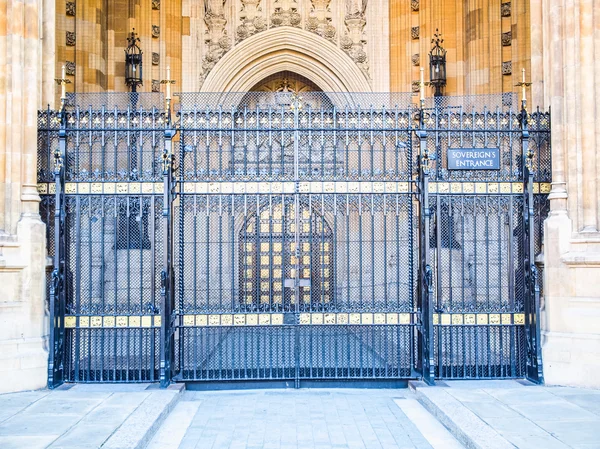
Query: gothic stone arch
286,49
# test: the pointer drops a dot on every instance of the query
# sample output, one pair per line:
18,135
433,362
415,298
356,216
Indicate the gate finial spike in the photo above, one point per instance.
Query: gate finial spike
168,82
523,85
62,82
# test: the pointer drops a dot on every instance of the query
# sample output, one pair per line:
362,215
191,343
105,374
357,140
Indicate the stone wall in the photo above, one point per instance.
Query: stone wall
571,86
23,319
192,37
488,43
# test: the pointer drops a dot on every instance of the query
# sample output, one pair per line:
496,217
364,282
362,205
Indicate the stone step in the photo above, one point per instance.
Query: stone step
470,430
139,428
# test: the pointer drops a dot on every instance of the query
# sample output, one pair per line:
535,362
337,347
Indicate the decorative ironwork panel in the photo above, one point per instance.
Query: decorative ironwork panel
322,236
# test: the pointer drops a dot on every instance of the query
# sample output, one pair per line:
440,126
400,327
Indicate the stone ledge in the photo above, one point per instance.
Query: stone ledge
139,428
8,239
571,335
581,259
470,430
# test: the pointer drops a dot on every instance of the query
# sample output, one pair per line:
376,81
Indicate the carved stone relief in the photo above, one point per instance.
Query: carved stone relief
217,41
155,58
70,68
319,20
505,9
286,14
414,5
507,39
345,29
354,41
155,4
507,68
414,33
70,38
416,60
70,8
155,86
252,21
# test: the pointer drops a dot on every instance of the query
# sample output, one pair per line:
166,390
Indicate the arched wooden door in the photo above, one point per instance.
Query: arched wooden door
279,245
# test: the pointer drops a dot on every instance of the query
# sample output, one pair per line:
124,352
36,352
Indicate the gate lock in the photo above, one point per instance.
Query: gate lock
291,283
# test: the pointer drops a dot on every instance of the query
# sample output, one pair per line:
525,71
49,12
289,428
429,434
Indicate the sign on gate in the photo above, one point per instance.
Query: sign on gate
474,159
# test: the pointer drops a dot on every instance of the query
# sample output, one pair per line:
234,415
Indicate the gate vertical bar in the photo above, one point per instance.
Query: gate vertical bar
532,290
167,276
296,107
425,270
57,286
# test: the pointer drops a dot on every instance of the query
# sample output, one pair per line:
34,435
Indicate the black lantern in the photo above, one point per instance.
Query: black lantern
133,62
437,64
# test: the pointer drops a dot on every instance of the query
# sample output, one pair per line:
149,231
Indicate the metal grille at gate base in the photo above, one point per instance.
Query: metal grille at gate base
272,237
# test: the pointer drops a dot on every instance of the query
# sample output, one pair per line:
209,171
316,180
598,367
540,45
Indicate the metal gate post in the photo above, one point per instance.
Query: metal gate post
167,326
425,271
57,286
532,289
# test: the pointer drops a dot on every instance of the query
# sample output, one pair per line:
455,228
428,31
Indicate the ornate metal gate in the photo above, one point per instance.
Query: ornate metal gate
295,236
291,239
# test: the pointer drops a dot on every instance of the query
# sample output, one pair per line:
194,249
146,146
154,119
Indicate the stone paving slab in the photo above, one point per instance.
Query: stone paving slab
84,416
291,419
521,415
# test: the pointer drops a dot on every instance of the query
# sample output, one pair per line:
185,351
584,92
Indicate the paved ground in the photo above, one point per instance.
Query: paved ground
82,417
523,415
302,419
481,414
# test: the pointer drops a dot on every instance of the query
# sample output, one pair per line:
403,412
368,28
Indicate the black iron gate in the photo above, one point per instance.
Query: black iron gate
292,239
295,238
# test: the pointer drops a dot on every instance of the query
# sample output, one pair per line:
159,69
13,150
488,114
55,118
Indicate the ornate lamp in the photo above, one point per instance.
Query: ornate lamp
437,64
133,62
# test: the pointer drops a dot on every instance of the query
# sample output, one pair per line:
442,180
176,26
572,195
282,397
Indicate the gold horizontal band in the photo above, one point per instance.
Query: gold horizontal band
221,188
481,319
112,321
314,318
277,319
480,188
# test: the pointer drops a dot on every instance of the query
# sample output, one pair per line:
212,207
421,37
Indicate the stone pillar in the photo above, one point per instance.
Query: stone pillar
23,328
571,309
